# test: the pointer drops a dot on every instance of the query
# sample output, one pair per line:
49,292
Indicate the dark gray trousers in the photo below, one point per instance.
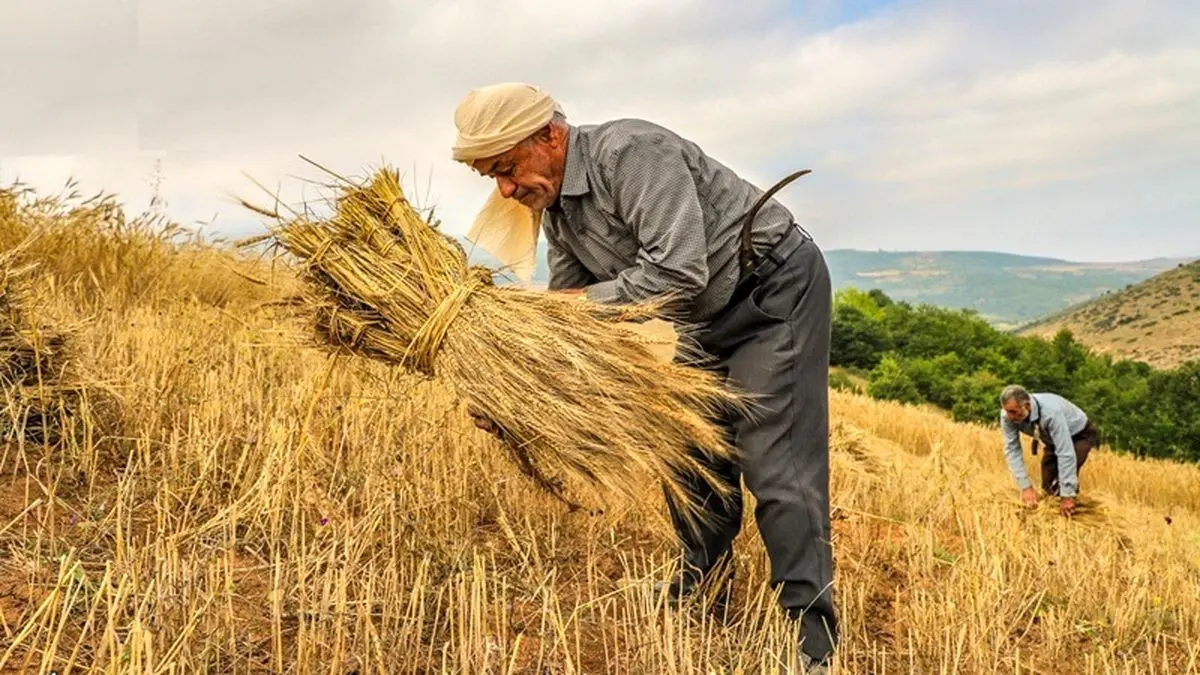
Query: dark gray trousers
775,345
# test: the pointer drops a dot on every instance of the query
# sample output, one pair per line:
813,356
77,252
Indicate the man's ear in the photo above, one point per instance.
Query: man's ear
548,136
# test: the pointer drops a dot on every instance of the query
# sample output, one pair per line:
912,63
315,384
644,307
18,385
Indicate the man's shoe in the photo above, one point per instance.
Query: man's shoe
679,589
692,587
806,665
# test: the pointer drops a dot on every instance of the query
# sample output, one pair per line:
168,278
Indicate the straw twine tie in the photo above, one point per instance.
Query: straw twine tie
428,340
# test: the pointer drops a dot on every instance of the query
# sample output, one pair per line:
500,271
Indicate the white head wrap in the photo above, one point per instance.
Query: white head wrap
491,121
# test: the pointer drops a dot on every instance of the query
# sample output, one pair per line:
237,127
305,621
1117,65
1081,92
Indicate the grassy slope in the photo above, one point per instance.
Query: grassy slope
254,506
1156,321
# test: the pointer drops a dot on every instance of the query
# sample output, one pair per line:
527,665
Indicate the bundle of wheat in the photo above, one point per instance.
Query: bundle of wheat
38,391
576,394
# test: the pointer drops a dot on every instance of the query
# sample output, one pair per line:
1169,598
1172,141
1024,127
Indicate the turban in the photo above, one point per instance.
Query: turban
491,121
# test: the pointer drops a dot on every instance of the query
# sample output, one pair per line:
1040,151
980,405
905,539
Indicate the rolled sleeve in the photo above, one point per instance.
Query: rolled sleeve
655,194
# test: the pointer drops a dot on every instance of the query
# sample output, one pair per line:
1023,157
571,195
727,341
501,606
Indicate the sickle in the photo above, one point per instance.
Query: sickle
746,255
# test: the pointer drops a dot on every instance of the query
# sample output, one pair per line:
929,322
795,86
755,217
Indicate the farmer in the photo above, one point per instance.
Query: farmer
631,211
1062,427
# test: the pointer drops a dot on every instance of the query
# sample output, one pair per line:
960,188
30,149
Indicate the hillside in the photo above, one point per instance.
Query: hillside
1005,289
223,497
1008,290
1156,321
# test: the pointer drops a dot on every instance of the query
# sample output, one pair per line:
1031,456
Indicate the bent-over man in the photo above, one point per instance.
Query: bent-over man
632,211
1065,430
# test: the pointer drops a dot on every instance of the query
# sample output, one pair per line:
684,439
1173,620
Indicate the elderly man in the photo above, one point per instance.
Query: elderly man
631,211
1066,431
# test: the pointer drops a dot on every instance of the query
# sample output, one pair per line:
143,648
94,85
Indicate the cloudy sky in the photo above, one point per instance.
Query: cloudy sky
1068,128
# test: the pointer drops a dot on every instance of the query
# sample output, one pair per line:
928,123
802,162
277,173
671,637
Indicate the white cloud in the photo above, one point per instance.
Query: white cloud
928,125
1052,121
68,74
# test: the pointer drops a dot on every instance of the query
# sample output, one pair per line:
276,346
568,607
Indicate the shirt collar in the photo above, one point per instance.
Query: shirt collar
575,178
1035,411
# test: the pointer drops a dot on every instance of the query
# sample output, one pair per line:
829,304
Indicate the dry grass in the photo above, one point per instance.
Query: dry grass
262,507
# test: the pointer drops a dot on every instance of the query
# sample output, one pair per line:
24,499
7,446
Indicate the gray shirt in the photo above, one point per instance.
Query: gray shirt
1060,420
643,212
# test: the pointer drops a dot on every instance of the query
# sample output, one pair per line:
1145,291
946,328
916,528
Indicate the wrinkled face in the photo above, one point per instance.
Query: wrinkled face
1015,411
531,172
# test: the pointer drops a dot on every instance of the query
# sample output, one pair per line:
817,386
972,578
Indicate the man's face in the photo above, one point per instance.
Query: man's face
531,172
1014,411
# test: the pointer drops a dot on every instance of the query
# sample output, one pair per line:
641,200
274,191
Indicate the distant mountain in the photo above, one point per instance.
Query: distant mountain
1156,321
1006,289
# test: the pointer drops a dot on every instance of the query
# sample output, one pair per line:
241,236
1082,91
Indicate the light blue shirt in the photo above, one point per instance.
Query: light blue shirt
1060,420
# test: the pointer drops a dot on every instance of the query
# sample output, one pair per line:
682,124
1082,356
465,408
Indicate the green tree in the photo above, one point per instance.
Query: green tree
1072,355
928,331
881,299
889,382
858,339
870,303
1038,368
935,377
992,359
977,397
1173,428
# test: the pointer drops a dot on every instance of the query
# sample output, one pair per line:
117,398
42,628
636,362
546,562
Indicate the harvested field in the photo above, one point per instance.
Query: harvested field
258,505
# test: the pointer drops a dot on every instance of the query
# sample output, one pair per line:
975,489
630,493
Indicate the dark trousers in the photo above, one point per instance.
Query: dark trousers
1084,442
774,345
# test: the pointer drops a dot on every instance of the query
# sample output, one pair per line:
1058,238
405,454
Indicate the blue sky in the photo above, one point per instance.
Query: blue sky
1066,129
836,13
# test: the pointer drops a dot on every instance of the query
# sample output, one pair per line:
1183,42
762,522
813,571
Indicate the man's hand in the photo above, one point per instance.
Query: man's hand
484,422
1067,506
1029,497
